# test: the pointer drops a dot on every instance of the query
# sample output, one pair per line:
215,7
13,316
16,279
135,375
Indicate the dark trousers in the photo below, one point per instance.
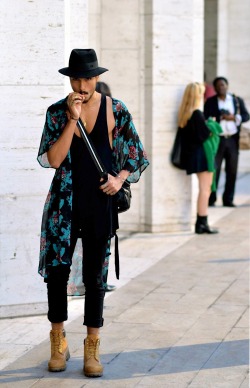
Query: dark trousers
94,252
228,150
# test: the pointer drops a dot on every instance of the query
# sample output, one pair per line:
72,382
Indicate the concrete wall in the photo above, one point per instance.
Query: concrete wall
177,59
33,46
227,42
233,59
210,39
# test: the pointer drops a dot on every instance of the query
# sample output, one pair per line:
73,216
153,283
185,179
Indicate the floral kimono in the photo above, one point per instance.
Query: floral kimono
127,154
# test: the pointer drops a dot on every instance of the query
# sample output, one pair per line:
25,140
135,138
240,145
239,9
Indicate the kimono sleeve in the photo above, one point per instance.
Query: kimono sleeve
49,137
129,146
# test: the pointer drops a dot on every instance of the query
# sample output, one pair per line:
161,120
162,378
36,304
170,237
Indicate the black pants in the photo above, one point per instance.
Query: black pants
228,150
94,252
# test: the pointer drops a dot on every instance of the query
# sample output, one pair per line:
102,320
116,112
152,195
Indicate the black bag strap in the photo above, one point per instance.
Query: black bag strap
93,153
103,174
117,261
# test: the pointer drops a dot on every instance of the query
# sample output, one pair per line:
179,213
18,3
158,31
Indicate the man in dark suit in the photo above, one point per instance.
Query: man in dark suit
230,112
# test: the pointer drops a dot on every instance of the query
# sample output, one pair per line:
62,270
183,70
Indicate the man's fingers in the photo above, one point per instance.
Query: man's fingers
75,98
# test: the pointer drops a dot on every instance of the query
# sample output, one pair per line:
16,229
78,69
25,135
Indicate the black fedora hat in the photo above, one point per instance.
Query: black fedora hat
83,63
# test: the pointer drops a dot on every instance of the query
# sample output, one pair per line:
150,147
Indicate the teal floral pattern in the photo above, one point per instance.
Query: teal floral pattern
128,153
75,284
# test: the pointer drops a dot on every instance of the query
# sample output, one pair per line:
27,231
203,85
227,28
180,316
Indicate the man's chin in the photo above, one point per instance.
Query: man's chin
87,98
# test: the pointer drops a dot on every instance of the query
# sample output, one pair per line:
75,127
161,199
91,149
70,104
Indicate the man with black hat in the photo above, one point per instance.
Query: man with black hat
230,111
79,204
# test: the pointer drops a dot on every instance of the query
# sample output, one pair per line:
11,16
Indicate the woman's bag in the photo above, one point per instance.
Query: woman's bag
177,154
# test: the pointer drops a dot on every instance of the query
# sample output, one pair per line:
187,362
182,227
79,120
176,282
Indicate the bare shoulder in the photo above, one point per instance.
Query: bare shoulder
110,114
109,102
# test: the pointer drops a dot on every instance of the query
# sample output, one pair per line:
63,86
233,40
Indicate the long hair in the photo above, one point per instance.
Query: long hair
102,87
191,101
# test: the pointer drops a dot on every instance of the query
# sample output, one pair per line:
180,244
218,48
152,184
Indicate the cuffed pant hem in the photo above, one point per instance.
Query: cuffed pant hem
57,319
95,324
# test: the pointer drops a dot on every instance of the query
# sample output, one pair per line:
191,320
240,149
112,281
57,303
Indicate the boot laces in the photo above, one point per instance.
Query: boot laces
57,342
92,347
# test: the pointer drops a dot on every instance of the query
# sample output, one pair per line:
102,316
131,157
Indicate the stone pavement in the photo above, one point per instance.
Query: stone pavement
178,319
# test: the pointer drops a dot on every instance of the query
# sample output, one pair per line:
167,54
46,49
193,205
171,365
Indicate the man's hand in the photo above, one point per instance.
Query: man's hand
228,117
74,103
112,186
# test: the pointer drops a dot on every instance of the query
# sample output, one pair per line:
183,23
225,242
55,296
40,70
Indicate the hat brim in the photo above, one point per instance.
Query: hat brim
82,74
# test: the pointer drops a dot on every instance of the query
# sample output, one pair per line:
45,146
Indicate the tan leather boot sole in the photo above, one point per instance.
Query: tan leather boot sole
62,366
91,372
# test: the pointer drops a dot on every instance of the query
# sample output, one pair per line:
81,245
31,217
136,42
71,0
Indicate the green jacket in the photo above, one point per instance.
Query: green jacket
211,145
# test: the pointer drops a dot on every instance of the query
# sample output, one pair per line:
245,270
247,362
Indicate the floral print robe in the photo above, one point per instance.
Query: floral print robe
127,153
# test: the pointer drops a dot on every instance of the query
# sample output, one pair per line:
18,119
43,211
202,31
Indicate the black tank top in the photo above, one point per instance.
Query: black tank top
91,208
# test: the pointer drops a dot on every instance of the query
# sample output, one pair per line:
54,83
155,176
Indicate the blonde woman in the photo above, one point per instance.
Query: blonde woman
195,133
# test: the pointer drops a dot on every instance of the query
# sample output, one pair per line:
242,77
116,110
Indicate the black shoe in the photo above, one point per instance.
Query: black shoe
211,204
229,204
202,226
200,229
110,288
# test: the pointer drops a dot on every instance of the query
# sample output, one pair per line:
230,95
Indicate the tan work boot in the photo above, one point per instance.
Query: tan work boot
59,351
92,366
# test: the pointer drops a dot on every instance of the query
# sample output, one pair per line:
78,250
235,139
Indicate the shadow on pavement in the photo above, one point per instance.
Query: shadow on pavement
147,362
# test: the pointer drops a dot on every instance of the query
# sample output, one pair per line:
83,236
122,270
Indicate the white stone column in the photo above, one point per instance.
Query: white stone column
115,33
75,30
33,40
174,57
210,39
233,61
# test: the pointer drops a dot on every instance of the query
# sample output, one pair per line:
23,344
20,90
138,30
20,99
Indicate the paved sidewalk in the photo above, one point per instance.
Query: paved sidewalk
183,322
